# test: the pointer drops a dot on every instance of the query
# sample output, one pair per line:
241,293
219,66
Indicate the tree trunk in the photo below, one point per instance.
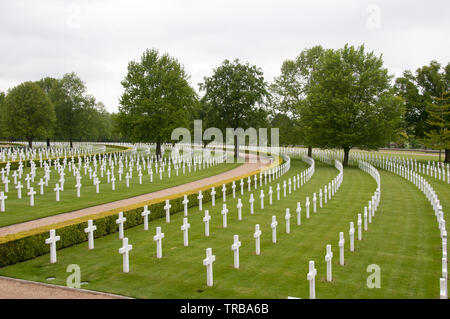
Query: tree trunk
236,147
71,144
30,142
158,149
346,152
447,155
309,151
48,142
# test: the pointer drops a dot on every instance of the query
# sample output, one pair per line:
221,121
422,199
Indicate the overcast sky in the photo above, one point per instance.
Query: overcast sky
97,39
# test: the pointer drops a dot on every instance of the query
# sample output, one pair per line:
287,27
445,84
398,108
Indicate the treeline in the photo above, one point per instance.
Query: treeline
54,109
328,98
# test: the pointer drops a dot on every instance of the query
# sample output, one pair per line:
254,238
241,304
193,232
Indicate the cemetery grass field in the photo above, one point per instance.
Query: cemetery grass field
402,239
19,210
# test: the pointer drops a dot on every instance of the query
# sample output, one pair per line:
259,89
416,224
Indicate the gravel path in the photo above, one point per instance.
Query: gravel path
11,288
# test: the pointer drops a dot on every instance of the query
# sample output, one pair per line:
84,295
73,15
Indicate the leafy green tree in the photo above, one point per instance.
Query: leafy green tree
156,100
289,128
29,112
351,102
290,90
235,97
47,84
2,115
438,137
419,90
71,101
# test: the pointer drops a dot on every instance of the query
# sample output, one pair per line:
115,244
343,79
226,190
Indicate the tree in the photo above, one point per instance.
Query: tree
2,115
290,89
235,96
156,99
439,119
71,100
47,85
29,112
289,128
425,87
351,102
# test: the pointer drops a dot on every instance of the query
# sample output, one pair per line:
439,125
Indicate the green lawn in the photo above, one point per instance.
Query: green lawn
19,210
403,240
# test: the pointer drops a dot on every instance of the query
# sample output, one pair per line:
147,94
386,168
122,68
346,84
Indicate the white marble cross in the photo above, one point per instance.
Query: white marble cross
261,196
19,187
78,187
299,214
239,207
341,248
185,228
167,209
213,197
311,277
158,238
351,234
52,242
233,186
200,200
235,248
2,201
57,189
224,214
140,177
287,217
185,204
145,214
359,223
224,192
90,231
270,194
124,250
284,188
328,260
365,218
278,191
127,179
120,221
242,186
290,185
273,225
208,262
31,193
41,186
206,220
97,185
257,236
251,201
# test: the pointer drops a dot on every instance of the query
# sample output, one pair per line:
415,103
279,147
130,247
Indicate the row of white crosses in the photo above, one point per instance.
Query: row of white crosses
126,247
438,170
40,151
104,160
373,205
421,183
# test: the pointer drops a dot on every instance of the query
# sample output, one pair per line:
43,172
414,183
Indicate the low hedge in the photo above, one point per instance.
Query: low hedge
31,246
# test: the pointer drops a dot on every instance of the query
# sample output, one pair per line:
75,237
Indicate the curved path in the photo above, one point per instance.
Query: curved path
11,288
247,167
